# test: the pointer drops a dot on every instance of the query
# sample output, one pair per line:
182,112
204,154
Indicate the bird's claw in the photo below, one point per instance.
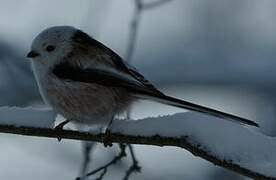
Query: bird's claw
106,138
60,126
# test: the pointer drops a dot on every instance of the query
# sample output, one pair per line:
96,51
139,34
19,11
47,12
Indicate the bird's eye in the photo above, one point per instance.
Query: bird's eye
50,48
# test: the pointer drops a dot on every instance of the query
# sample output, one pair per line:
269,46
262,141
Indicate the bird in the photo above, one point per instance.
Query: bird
88,83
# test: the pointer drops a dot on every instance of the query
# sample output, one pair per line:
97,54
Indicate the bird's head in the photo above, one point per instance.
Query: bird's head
52,45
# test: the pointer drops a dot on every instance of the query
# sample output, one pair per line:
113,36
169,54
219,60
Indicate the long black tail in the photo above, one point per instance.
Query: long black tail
194,107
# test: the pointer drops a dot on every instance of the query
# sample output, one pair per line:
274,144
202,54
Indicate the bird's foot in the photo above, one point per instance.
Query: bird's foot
106,139
60,126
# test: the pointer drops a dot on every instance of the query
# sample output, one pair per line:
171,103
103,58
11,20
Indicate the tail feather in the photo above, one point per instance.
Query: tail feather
194,107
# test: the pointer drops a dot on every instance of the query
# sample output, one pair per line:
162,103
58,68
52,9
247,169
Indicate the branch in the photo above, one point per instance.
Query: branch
104,168
133,30
139,6
154,4
183,142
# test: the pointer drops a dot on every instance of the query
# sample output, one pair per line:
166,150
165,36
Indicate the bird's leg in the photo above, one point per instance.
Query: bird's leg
60,126
134,167
107,133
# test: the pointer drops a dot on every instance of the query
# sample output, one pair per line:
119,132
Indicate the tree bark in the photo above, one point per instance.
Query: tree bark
183,142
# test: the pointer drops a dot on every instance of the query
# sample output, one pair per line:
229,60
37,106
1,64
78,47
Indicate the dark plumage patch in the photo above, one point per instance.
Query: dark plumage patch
104,78
120,64
124,67
83,38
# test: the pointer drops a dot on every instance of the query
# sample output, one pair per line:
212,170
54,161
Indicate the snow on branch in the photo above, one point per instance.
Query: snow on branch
238,148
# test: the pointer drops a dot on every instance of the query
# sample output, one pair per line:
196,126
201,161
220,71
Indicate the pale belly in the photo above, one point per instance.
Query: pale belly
83,102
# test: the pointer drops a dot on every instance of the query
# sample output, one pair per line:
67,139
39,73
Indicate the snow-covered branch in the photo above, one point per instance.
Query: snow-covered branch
183,142
223,143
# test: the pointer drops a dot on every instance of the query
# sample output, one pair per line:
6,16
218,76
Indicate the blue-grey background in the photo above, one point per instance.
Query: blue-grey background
218,53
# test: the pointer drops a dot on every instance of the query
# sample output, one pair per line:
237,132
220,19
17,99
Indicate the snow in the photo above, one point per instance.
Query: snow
243,145
27,116
61,160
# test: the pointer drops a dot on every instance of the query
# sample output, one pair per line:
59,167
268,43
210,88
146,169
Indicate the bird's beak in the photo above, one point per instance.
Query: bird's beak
32,54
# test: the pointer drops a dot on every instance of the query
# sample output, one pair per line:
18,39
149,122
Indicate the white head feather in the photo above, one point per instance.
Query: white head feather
59,38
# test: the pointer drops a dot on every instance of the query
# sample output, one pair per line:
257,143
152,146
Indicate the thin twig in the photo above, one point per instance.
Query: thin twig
134,167
102,174
154,4
133,30
183,142
105,167
139,7
130,49
87,148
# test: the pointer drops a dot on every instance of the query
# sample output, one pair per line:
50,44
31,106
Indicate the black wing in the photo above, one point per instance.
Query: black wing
119,63
126,68
67,71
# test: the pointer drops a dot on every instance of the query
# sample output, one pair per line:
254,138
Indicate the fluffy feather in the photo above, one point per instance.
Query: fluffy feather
87,82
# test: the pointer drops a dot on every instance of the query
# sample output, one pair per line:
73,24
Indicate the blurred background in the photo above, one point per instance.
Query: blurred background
217,53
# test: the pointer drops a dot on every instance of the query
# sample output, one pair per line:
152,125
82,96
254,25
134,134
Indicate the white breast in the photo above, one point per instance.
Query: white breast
82,102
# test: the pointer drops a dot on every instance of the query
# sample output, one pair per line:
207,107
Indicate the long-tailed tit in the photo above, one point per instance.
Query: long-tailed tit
88,83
